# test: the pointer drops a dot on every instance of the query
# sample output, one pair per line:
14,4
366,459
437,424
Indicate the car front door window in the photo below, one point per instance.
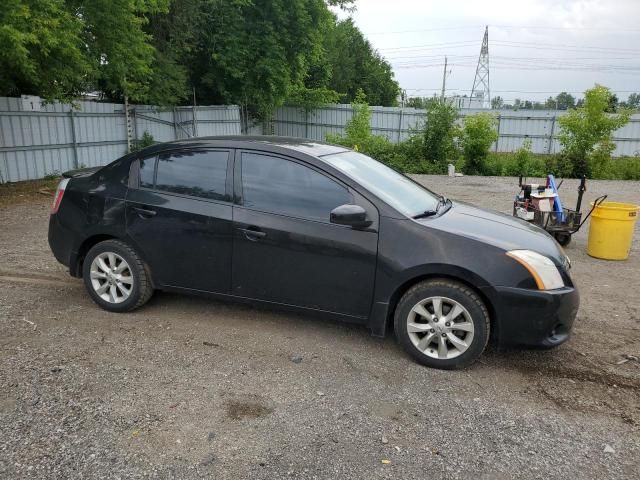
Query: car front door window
276,185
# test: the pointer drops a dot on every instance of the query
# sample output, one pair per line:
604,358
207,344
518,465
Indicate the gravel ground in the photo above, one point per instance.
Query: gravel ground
192,388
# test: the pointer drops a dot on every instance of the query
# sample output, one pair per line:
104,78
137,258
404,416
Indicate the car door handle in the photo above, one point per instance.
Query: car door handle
252,234
144,212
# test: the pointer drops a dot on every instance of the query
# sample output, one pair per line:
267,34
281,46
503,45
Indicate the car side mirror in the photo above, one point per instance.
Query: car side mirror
352,215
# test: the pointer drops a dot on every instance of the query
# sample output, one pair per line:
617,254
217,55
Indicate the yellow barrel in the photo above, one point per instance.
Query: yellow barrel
611,230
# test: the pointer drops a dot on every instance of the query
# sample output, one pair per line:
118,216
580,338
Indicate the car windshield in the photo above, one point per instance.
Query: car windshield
392,187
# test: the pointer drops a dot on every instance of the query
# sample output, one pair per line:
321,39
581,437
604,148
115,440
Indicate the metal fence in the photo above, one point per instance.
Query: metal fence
514,127
36,141
56,137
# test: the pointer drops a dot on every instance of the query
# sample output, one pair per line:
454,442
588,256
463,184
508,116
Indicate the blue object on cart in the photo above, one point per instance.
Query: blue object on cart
557,204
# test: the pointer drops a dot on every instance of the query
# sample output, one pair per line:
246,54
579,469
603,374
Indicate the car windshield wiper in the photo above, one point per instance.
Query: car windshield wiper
442,201
426,213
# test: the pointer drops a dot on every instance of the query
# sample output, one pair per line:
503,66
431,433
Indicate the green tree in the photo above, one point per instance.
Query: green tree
565,101
117,45
439,132
254,52
497,102
613,103
416,102
586,132
634,100
42,50
478,133
356,65
310,98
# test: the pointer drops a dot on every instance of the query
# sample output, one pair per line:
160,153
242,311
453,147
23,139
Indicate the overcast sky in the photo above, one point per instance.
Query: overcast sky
537,48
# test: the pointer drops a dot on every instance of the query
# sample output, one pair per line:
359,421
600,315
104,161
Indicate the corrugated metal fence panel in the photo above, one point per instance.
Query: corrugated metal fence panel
34,144
539,126
158,123
214,121
628,138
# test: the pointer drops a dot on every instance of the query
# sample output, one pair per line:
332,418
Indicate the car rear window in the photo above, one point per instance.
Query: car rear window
200,174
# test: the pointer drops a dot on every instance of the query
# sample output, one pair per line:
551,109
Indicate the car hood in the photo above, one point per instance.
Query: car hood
495,228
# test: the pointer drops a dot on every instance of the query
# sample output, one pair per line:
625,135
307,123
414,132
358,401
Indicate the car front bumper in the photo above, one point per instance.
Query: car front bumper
535,318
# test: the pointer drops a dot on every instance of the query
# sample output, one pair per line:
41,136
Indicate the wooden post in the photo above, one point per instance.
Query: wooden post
306,123
498,139
195,115
175,125
553,126
127,122
74,140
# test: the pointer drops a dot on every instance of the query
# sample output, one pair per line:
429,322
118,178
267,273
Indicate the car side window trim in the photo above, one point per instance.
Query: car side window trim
239,191
228,187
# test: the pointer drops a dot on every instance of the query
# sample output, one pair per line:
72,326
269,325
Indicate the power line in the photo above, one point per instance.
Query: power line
442,44
530,27
557,46
516,91
514,44
435,29
514,67
524,62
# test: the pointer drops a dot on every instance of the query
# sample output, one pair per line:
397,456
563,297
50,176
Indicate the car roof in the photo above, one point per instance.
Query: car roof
274,143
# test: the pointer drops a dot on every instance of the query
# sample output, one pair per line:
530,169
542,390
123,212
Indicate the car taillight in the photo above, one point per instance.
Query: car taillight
57,200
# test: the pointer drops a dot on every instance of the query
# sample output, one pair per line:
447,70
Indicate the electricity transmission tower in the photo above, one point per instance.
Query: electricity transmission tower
480,90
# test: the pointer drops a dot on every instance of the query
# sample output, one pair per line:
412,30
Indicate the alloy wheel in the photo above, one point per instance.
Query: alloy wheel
111,277
440,328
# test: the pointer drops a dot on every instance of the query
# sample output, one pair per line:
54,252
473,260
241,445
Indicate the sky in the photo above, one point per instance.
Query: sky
537,48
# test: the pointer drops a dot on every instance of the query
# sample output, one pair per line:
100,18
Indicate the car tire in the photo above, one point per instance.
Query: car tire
112,284
442,324
563,239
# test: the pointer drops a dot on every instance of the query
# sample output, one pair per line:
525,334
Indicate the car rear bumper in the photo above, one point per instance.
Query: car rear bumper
535,318
60,241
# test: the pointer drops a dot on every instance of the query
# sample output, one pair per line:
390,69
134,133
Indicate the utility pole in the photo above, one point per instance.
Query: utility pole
444,79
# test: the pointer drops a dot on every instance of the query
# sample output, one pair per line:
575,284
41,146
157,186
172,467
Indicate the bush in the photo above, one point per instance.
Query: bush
475,139
585,133
624,168
521,162
146,141
358,129
478,133
439,133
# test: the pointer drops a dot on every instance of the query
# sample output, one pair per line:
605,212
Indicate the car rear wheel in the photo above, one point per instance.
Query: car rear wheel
115,277
442,324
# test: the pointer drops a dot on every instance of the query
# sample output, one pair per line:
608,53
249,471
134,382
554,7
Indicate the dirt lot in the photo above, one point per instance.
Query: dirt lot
192,388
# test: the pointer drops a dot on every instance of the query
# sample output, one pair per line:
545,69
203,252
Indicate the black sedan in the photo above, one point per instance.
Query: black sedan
312,227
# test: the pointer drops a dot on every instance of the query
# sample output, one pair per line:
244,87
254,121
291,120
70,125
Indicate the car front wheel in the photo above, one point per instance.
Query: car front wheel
115,277
442,324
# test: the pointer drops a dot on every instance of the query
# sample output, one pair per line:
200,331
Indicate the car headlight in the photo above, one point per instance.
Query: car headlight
541,268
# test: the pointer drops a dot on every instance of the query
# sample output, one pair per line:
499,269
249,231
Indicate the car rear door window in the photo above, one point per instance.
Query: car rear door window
200,174
275,185
146,171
